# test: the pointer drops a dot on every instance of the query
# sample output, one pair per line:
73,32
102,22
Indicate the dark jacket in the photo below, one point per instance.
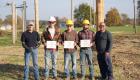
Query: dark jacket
29,39
103,41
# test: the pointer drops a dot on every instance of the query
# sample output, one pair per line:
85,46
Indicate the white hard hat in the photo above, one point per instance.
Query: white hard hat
52,19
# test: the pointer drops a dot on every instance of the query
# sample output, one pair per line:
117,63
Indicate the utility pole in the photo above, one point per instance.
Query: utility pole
94,12
99,12
72,18
36,15
24,15
134,22
16,16
14,22
90,12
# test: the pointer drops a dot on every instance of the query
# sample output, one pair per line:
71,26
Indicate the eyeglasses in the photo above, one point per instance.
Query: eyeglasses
69,25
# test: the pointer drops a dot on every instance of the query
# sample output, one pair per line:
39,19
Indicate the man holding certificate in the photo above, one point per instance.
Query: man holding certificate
86,41
70,40
50,39
103,41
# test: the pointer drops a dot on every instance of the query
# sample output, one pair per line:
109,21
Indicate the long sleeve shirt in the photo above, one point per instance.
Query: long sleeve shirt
103,41
70,36
31,39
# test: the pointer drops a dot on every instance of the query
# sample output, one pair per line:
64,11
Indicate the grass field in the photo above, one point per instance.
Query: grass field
125,57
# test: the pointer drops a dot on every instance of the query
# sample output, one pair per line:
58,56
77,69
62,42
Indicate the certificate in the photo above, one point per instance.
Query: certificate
85,43
51,44
69,44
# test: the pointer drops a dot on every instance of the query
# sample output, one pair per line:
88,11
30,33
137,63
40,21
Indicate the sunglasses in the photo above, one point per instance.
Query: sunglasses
30,25
51,22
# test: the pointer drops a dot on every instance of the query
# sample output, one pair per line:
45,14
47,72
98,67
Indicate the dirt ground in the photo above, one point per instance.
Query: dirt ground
125,58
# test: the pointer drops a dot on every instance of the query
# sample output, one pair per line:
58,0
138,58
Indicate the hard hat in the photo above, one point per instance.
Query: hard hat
86,22
69,22
52,19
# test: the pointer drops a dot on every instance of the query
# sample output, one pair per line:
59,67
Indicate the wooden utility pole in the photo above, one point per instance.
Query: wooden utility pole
14,23
72,18
16,17
99,12
24,15
36,15
134,22
90,12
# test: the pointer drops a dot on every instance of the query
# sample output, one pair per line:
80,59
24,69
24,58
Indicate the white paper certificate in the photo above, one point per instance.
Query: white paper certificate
85,43
69,44
51,44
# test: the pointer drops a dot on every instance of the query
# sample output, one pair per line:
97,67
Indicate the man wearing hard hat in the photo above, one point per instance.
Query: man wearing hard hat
30,41
50,39
86,41
70,40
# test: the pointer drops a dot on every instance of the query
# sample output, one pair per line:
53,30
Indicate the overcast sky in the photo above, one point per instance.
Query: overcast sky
61,8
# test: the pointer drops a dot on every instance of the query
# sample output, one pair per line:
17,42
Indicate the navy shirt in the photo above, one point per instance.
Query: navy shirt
30,39
103,41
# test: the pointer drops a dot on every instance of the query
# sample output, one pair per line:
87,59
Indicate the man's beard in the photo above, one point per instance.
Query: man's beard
85,28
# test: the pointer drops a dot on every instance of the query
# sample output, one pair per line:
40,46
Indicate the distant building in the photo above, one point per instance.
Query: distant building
6,27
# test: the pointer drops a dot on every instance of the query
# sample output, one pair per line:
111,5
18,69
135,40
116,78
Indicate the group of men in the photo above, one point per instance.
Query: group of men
70,39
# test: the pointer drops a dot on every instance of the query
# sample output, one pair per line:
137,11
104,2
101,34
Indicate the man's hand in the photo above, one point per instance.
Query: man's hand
91,44
75,44
57,43
107,53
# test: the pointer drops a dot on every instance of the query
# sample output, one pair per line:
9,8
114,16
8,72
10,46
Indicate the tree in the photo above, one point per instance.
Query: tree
125,19
83,12
138,7
113,17
8,20
1,21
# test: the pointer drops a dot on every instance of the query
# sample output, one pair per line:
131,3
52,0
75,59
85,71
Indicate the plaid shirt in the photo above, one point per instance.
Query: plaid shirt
46,36
86,34
70,36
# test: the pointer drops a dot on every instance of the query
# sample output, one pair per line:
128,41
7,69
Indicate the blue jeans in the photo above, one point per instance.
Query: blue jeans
50,55
67,58
86,54
105,66
34,53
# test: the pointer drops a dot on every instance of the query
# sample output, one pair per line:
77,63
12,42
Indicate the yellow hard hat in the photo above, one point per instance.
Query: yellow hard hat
86,22
69,22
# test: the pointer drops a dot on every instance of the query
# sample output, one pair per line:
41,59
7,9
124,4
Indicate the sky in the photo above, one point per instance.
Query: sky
61,8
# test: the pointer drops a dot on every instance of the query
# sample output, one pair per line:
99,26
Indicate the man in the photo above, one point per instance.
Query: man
70,52
30,41
86,51
51,34
103,41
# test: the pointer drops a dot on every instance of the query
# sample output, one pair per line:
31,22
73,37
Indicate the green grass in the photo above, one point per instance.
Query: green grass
6,40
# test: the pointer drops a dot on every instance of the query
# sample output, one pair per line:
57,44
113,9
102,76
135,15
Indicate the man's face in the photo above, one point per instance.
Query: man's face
102,27
85,26
69,27
30,27
52,23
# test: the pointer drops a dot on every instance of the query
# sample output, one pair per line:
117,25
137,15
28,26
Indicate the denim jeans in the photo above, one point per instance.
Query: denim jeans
34,53
86,54
105,66
50,55
67,57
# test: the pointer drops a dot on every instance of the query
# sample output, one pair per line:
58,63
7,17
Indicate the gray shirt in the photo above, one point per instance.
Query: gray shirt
103,41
